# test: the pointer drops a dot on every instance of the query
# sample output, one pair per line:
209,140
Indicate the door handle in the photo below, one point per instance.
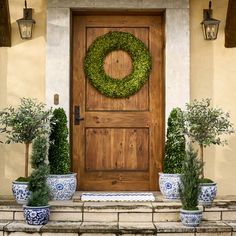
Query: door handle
77,117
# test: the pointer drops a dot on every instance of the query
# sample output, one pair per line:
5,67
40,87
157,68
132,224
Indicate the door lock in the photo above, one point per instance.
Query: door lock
77,117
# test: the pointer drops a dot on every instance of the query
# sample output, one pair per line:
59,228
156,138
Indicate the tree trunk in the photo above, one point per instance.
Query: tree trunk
26,158
201,159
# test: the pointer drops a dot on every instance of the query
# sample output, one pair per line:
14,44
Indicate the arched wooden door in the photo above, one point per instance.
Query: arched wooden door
119,144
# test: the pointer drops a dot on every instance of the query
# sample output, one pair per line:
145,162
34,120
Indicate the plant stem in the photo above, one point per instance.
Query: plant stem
26,158
201,159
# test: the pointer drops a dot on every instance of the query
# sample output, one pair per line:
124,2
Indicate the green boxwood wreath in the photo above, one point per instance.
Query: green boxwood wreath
94,64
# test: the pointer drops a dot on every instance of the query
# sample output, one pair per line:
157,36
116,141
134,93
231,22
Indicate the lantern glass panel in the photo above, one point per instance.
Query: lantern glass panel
26,27
210,29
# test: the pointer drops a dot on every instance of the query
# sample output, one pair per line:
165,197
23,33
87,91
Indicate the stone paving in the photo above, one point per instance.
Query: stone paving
119,218
118,228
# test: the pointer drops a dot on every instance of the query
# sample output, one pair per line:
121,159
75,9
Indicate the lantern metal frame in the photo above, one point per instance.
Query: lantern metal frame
26,20
210,26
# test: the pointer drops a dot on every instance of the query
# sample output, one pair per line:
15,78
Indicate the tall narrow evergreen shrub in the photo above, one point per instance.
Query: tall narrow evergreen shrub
59,159
37,183
175,143
190,178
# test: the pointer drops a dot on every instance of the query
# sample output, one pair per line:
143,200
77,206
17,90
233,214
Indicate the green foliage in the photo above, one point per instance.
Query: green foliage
37,183
26,122
101,47
206,181
59,159
206,124
175,143
39,152
189,187
22,179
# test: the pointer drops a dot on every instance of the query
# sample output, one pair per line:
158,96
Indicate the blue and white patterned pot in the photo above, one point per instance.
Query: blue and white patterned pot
20,191
207,193
169,185
190,218
62,187
36,215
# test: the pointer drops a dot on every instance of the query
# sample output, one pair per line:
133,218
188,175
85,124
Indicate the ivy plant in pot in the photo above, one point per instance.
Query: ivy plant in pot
174,154
205,125
190,215
37,211
61,182
22,125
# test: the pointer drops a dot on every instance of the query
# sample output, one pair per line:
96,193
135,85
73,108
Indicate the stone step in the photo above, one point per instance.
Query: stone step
161,211
56,228
223,209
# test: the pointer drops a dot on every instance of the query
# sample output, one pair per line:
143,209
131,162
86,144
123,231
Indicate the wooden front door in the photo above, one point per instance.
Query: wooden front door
119,144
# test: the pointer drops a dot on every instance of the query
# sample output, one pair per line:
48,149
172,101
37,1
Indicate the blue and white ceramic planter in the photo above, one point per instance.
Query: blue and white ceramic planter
207,193
36,215
20,191
62,187
190,218
169,185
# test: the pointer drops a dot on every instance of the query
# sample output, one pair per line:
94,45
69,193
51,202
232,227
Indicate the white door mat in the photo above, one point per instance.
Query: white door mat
117,197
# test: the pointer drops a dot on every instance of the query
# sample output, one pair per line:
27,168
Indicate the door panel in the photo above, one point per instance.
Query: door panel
117,149
119,145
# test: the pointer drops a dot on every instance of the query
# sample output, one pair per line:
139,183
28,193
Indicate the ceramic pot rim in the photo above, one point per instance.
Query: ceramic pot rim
169,175
188,211
62,176
19,182
35,207
207,184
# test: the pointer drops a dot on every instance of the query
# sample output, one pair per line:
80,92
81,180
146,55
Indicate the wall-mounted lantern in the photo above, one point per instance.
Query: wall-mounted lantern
210,26
26,24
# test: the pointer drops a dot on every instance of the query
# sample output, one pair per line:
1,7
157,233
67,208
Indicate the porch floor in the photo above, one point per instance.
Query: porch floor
120,218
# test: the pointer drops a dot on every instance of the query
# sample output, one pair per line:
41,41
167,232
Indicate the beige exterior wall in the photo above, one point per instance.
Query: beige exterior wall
213,69
22,72
213,74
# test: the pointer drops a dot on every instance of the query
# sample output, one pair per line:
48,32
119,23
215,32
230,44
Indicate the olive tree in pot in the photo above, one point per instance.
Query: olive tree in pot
174,154
37,211
22,125
190,215
61,182
205,125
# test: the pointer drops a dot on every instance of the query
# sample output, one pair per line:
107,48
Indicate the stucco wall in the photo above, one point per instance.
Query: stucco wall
22,72
213,73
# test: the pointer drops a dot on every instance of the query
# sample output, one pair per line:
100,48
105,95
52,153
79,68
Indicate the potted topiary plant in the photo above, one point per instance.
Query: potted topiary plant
174,154
37,211
61,182
22,125
205,125
190,215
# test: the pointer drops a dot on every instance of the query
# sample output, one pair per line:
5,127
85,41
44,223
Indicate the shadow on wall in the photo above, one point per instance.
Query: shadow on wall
38,30
12,155
210,162
3,76
226,166
202,55
39,15
21,75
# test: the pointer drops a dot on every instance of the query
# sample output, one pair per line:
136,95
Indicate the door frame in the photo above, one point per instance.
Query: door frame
177,41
